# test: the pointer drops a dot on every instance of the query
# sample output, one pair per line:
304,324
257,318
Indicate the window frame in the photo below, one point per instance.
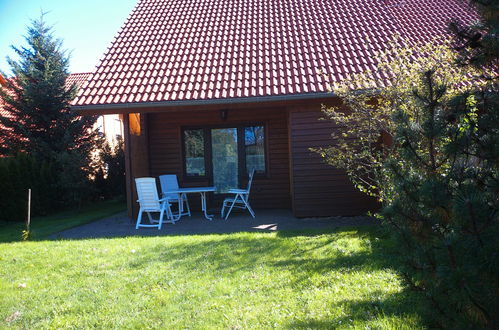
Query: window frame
241,150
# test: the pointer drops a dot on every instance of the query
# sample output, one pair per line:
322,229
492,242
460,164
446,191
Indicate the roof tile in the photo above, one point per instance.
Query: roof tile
205,49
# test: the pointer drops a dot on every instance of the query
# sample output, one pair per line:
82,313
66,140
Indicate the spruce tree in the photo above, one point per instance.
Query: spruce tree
38,100
40,121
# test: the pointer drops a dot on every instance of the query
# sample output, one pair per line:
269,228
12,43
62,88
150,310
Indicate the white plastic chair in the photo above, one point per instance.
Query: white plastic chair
168,183
240,199
150,203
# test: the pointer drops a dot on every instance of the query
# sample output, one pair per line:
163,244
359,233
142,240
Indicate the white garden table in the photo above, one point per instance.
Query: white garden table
201,190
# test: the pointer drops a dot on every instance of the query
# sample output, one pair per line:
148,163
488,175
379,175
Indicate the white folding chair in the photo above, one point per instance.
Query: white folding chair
150,203
169,182
239,200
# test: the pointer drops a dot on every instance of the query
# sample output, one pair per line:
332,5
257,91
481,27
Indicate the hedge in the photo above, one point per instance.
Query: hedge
17,175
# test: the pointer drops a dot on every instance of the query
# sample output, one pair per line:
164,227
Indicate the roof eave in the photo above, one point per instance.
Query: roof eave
143,106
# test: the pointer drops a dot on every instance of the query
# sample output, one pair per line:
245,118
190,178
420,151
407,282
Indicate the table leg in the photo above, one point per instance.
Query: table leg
203,206
181,204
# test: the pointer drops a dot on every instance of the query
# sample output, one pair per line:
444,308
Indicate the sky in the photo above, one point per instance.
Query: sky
86,27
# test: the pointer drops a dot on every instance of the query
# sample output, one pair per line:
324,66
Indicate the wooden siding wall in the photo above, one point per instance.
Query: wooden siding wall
136,157
165,149
319,189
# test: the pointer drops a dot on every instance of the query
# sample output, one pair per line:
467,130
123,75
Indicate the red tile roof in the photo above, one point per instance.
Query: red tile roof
73,78
184,50
78,78
3,112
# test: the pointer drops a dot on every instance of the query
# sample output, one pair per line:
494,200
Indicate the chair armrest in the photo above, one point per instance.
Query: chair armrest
237,191
159,200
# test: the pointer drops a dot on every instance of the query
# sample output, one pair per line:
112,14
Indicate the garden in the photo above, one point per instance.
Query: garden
423,142
342,279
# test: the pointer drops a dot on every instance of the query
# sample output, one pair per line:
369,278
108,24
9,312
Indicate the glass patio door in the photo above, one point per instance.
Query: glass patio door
225,159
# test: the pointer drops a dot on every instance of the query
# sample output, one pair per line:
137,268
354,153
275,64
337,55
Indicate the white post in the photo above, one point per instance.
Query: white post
29,208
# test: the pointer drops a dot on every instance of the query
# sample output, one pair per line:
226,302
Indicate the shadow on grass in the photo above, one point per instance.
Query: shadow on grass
362,311
302,254
243,253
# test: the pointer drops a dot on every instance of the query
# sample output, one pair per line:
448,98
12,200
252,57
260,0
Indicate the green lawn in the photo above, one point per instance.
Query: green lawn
341,279
41,227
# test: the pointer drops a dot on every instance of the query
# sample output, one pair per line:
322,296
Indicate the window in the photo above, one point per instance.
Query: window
254,143
224,154
194,152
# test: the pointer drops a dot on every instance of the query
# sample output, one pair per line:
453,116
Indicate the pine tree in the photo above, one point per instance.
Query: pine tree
438,177
444,207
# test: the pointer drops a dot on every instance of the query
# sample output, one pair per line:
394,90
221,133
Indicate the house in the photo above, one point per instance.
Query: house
210,89
110,125
3,82
3,112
